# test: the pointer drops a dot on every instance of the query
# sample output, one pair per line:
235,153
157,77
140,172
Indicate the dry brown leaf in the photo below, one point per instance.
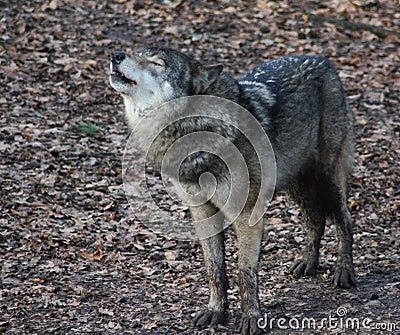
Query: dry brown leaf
170,255
97,256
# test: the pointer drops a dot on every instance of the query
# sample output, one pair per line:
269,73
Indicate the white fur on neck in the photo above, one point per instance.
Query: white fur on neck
133,110
136,106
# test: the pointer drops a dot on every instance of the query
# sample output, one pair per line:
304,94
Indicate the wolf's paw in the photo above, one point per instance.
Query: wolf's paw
248,326
301,268
208,318
344,277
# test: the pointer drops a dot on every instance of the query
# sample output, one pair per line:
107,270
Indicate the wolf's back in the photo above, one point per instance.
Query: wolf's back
301,104
284,75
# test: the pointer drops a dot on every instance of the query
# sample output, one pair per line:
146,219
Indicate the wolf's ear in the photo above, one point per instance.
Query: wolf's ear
212,72
205,76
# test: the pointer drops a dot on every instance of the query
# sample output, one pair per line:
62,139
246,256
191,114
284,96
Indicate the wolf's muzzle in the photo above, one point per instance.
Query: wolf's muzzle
116,74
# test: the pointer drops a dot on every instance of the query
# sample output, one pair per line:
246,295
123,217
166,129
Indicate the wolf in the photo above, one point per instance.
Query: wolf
301,105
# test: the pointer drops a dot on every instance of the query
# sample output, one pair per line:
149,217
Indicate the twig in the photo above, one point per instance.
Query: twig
378,31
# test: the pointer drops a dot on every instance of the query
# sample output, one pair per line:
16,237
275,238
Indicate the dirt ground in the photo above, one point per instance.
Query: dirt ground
73,258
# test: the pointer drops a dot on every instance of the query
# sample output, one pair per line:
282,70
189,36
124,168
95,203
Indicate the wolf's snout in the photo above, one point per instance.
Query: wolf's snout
118,56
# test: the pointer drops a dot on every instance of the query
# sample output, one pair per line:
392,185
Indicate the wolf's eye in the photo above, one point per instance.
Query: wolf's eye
158,64
156,61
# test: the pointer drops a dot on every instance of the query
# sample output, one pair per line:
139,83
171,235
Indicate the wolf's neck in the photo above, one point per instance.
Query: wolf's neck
133,110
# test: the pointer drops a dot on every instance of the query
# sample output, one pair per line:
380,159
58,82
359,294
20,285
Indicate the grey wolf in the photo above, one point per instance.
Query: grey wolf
300,103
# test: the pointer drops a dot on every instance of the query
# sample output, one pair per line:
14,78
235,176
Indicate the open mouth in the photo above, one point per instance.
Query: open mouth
117,75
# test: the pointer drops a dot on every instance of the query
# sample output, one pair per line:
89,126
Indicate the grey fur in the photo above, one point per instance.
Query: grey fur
300,103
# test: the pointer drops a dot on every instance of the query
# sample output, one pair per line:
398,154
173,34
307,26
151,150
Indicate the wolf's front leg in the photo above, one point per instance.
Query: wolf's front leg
214,315
249,239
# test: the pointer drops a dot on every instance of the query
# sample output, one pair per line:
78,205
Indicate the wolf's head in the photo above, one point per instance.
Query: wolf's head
158,75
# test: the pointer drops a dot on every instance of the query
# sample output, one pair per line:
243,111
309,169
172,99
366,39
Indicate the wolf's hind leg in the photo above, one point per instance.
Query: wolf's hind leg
320,198
344,275
214,315
306,193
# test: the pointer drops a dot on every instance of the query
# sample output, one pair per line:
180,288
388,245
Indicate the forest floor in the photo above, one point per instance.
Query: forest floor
73,257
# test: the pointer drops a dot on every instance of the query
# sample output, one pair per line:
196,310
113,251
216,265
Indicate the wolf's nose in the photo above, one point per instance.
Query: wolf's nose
118,56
